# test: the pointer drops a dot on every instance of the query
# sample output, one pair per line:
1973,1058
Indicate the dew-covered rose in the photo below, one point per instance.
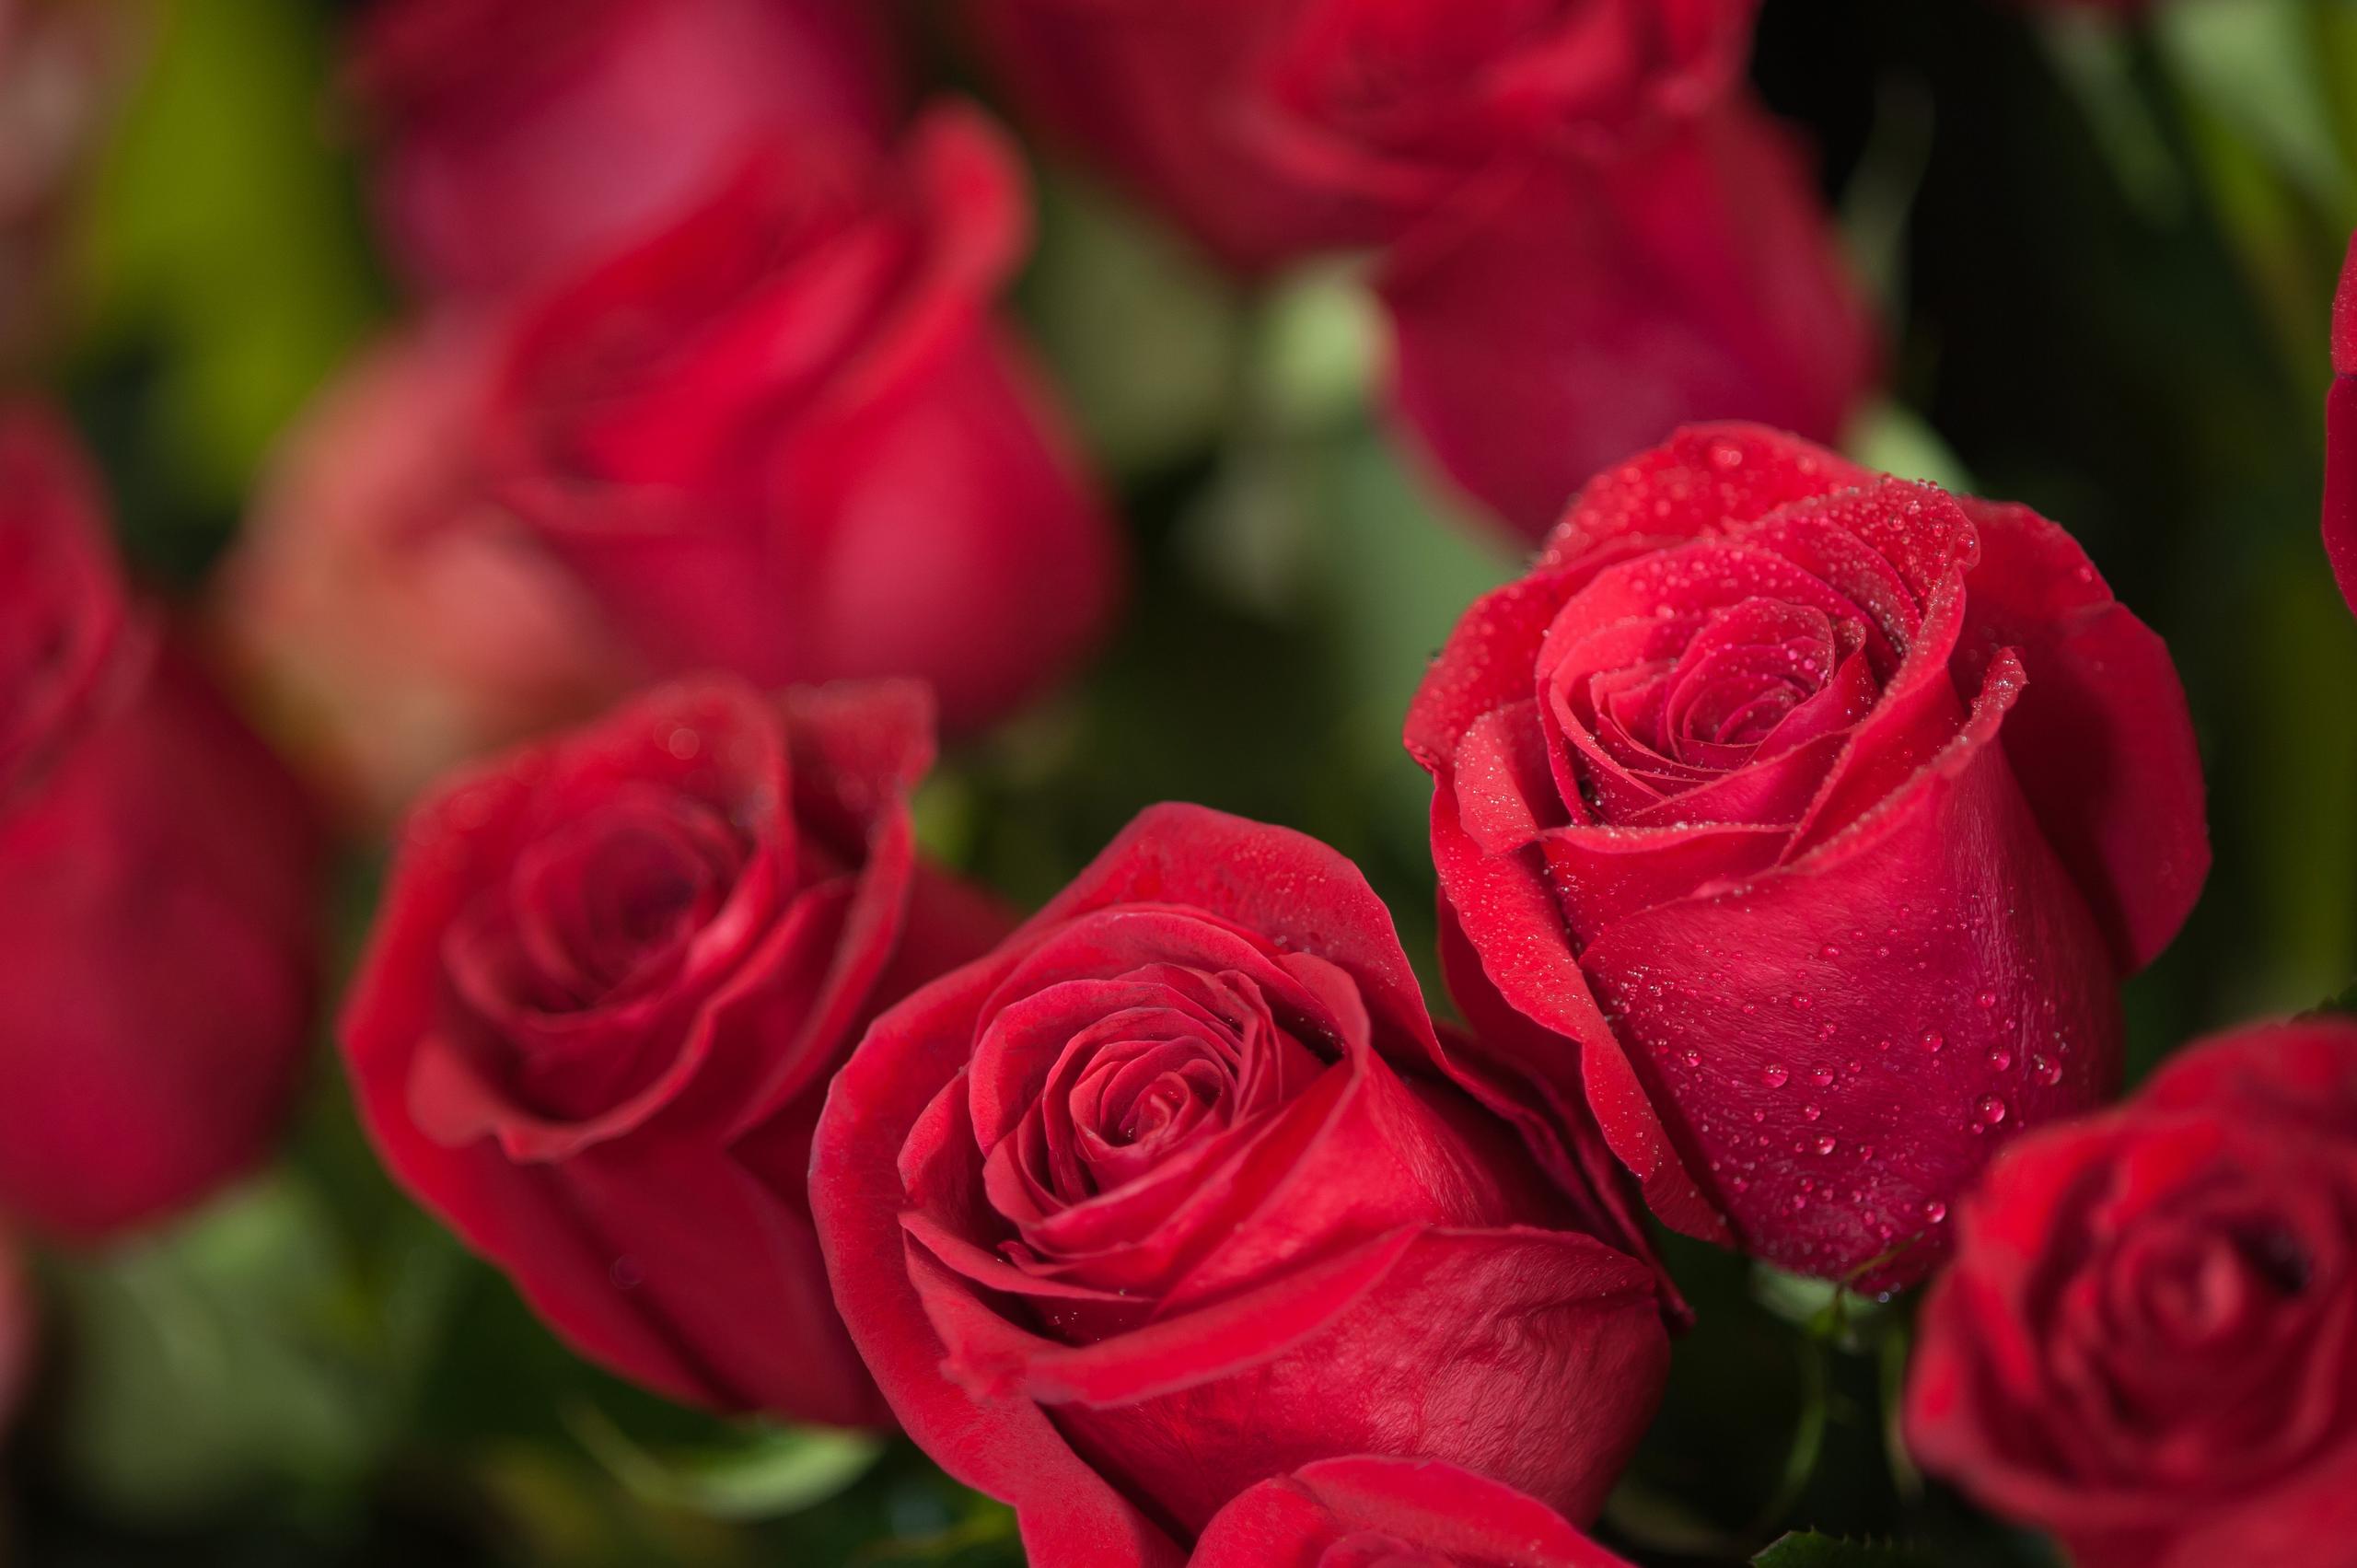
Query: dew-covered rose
1800,823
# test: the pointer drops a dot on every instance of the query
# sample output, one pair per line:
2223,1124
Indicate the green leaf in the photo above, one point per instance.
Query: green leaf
221,1354
1806,1548
2255,64
1897,440
223,235
773,1470
1142,334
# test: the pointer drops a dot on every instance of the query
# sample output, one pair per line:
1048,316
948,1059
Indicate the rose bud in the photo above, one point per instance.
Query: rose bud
399,621
2144,1344
2340,434
786,438
610,976
159,874
1375,1513
1594,307
1173,1192
1276,128
1808,820
522,136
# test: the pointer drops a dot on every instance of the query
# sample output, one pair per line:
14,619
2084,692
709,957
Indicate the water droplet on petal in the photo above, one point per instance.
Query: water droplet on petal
1936,1211
1986,999
1774,1074
2000,1057
1820,1075
1825,1144
1989,1110
1933,1040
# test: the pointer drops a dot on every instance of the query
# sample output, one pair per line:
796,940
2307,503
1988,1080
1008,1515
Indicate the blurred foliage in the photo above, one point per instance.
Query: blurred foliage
2105,259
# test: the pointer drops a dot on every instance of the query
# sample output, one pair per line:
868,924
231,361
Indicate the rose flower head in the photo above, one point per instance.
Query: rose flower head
1801,823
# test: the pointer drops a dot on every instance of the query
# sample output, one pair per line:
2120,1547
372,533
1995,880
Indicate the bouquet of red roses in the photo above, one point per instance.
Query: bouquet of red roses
1123,784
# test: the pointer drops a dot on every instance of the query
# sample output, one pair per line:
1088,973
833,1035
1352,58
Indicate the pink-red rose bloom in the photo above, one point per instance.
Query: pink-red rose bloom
158,884
522,136
2340,436
1588,309
1808,818
1597,234
1276,128
609,978
1375,1513
1172,1194
395,618
2147,1343
787,438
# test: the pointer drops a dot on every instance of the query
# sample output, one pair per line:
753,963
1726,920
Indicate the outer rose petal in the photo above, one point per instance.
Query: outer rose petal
2101,738
1429,1356
1604,304
1528,963
1467,1520
2340,436
158,919
968,545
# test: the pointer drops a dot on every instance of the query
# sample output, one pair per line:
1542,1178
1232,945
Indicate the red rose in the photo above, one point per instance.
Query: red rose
2340,434
2146,1342
1273,128
398,620
158,881
1809,818
1587,311
1377,1513
611,975
523,135
786,438
1172,1194
1599,235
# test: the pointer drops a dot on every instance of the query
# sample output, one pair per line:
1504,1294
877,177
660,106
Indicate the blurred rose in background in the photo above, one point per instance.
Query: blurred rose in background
520,139
159,874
